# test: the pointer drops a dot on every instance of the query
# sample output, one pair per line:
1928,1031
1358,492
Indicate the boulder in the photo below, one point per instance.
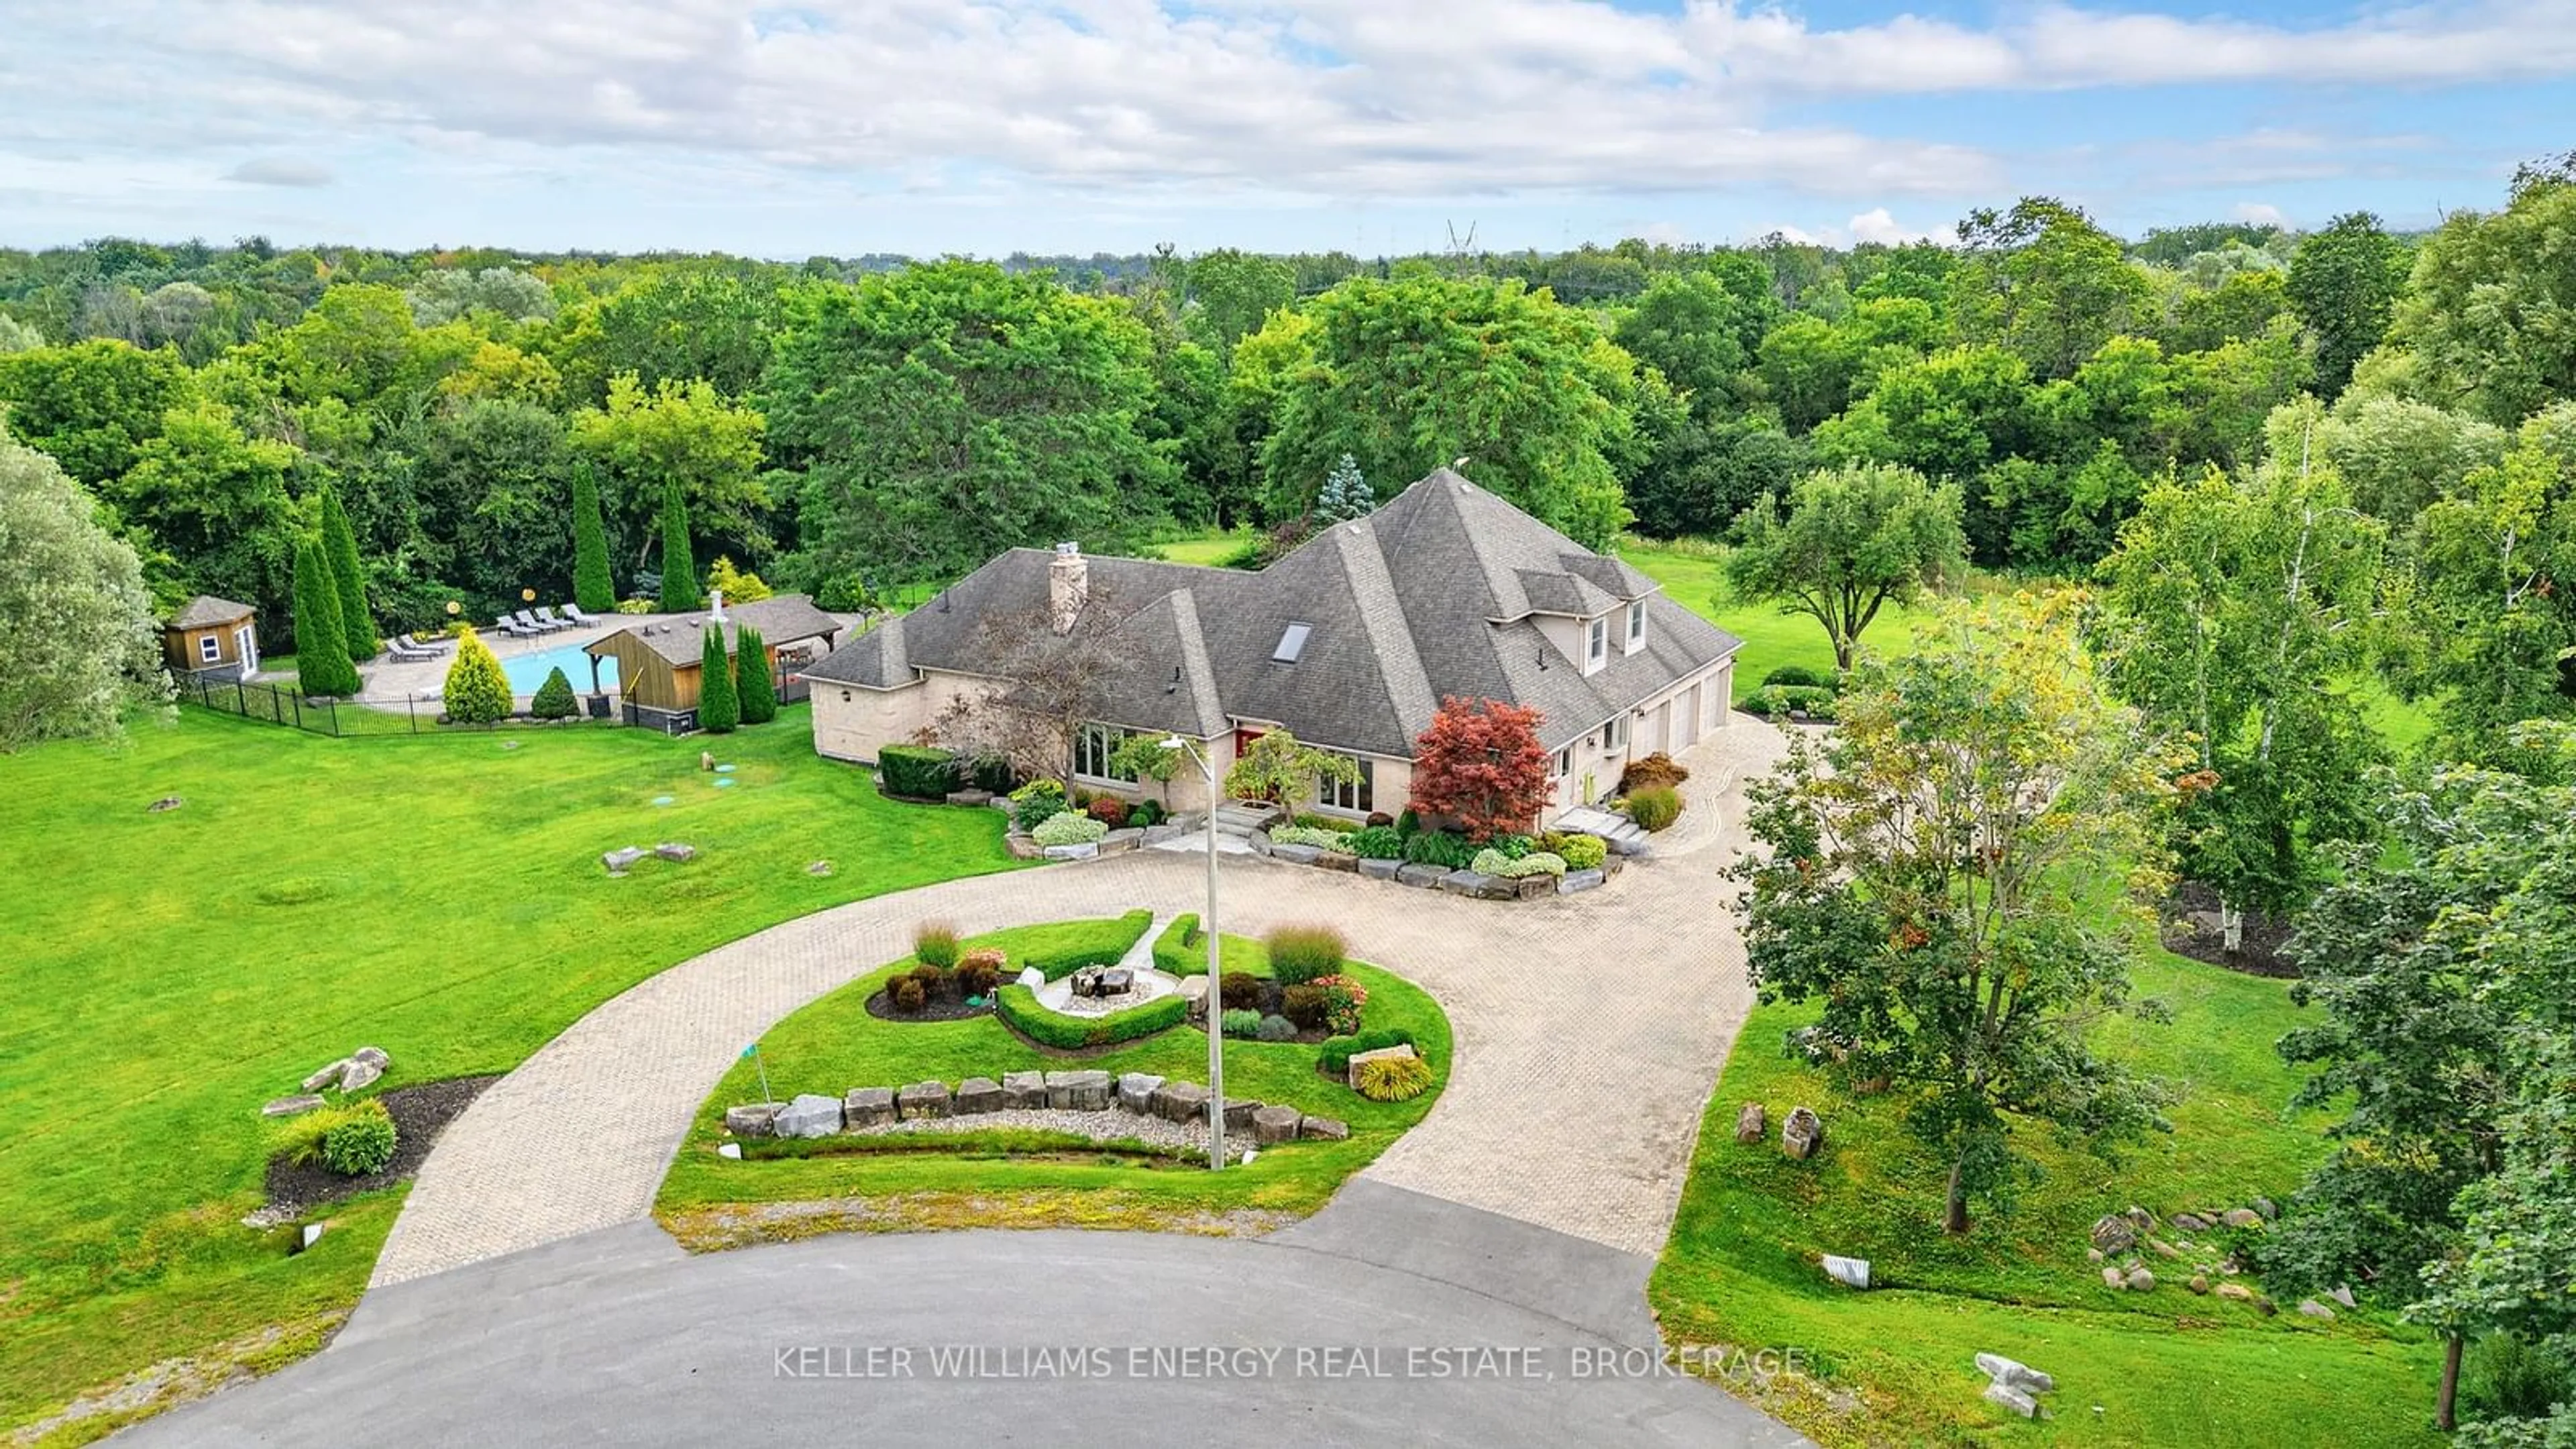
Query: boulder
1136,1092
1801,1133
1032,978
925,1099
1849,1272
2093,1255
1534,887
1078,1091
730,1151
2343,1295
1579,880
2267,1208
1194,990
1157,834
2189,1223
327,1077
1497,888
1021,847
978,1095
618,860
2140,1280
2164,1248
1181,1102
1415,873
2199,1282
1399,1050
2111,1276
678,850
166,802
1024,1089
1238,1115
752,1119
2242,1218
2113,1234
290,1106
1752,1123
2141,1219
1341,860
1259,841
1328,1129
2237,1291
372,1054
2006,1396
2311,1308
1465,883
975,798
810,1115
867,1107
1272,1125
1379,869
2014,1374
360,1072
820,867
1079,850
1120,841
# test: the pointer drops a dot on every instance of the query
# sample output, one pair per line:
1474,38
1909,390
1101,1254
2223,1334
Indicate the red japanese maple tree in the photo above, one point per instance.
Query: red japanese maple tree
1481,763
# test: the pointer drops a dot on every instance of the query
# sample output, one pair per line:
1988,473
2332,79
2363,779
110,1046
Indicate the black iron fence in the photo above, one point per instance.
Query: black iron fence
278,705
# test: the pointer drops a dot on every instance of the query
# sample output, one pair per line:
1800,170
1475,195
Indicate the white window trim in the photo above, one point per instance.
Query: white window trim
210,650
1596,643
1368,781
1117,736
1636,626
1614,734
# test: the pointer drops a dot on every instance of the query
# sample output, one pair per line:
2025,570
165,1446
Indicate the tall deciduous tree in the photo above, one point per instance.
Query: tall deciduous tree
679,568
592,588
680,435
92,405
1407,376
755,691
349,577
2344,282
1951,874
2488,314
2043,282
954,410
75,626
2237,611
1851,541
2444,961
1231,294
719,707
1481,763
321,658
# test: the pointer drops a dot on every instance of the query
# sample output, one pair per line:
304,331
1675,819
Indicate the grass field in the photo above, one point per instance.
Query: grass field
2165,1368
834,1045
440,897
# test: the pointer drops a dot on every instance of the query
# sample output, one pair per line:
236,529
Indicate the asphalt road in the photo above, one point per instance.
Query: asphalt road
1390,1318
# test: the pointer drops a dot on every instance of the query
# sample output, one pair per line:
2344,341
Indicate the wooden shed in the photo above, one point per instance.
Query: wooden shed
211,637
659,661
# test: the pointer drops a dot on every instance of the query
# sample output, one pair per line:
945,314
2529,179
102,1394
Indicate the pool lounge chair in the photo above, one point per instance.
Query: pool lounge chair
574,613
530,620
547,616
514,628
402,653
431,647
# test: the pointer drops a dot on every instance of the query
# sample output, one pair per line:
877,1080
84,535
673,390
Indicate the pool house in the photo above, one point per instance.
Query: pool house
656,665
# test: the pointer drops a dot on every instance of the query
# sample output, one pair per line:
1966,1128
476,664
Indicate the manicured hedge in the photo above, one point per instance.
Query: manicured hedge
1181,950
1056,965
1018,1006
916,772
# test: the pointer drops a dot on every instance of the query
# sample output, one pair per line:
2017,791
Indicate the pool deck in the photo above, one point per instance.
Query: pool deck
388,684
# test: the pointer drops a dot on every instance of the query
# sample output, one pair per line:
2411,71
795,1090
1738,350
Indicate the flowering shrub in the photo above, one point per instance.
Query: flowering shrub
1068,828
1537,862
1314,835
1343,999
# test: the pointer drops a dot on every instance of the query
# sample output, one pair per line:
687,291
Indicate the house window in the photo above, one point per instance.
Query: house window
209,649
1093,744
1565,761
1636,625
1596,645
1358,798
1614,735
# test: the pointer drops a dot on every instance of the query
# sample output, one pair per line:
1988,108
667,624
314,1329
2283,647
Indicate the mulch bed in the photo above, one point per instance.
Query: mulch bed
880,1004
2190,928
418,1112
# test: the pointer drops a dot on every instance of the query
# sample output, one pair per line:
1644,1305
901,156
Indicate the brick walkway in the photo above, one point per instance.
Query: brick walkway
1589,1028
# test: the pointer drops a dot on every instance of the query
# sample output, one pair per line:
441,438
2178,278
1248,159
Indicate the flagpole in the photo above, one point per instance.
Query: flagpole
753,1051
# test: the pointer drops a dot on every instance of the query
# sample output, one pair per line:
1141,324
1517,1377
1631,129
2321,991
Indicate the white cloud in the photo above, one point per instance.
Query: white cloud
2260,213
1875,225
280,171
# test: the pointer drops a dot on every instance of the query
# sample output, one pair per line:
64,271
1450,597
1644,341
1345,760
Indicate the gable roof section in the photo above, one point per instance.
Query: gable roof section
783,619
205,611
1432,596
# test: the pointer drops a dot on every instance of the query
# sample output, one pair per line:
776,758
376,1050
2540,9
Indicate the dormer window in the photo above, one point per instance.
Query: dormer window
1636,626
1596,644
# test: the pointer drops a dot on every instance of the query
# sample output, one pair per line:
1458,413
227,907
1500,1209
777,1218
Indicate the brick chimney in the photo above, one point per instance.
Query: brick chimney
1068,586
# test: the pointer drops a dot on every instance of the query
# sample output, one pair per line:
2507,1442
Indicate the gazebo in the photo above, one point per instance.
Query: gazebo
212,639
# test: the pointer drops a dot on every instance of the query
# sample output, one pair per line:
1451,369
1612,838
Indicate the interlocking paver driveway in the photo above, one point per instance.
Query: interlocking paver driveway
1589,1028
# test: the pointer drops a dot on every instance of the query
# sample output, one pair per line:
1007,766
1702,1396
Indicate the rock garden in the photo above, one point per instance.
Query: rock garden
1032,1085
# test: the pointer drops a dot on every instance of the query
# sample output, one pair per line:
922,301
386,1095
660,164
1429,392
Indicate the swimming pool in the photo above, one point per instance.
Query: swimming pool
528,672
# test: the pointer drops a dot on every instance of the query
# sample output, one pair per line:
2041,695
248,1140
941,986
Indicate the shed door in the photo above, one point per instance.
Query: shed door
246,646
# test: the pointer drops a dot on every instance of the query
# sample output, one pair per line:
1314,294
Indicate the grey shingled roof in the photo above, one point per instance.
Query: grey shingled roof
1429,597
783,619
205,611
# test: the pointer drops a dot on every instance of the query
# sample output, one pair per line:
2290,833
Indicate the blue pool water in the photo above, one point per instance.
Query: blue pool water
528,671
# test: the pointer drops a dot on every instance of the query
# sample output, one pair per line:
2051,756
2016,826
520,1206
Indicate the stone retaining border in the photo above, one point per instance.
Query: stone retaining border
1466,883
1140,1094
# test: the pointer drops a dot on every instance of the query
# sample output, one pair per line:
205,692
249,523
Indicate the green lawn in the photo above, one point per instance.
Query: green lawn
439,896
834,1045
1695,578
1210,549
2166,1368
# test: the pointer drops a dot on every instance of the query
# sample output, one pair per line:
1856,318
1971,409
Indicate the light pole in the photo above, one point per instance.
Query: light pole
1215,976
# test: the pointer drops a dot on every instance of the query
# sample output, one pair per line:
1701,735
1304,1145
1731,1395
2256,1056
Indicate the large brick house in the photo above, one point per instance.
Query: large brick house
1351,642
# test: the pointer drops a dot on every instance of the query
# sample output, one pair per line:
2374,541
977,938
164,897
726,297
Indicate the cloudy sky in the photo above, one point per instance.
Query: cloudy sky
923,126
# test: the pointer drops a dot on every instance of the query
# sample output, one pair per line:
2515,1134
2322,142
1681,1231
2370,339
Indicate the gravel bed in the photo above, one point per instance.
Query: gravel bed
1110,1126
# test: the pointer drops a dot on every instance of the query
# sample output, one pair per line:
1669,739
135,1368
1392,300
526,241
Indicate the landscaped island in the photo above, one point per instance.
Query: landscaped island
1065,1166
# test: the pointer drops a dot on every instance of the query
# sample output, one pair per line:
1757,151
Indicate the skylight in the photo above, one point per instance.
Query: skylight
1292,642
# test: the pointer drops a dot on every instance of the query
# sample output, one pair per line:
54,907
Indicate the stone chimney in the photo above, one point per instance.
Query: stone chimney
1068,586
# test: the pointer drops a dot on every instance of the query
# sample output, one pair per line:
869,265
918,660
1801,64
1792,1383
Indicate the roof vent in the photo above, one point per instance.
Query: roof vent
1292,642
